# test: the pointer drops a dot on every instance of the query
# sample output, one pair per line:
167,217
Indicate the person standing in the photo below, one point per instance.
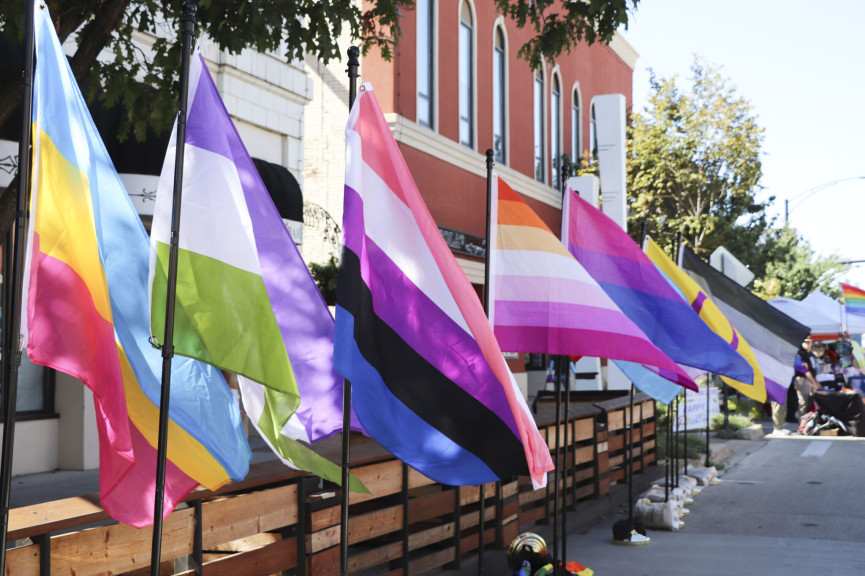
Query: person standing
805,377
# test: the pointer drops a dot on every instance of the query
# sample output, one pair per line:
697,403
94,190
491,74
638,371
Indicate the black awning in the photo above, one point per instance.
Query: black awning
283,188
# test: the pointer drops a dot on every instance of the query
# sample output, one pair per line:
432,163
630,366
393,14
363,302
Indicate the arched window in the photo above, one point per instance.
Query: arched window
499,102
593,135
467,75
556,131
576,136
539,126
425,61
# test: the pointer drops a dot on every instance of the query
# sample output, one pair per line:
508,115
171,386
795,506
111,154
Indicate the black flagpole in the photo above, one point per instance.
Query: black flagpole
566,361
352,71
708,398
676,249
188,30
557,451
481,494
11,350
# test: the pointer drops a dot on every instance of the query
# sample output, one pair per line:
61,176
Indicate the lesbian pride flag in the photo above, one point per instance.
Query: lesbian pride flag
544,301
86,311
429,382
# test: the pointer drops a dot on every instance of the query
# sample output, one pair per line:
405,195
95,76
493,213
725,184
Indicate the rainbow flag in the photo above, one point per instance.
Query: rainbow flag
544,301
429,382
86,310
854,299
713,317
630,279
245,300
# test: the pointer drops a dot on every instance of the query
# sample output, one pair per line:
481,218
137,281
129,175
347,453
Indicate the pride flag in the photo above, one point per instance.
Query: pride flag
245,300
633,282
713,317
854,298
429,382
543,300
86,310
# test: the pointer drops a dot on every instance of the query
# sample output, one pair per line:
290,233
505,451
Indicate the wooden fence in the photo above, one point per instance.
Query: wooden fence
280,521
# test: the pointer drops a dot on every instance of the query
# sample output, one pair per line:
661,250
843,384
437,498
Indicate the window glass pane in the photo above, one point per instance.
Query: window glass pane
556,124
575,128
424,62
593,134
466,77
539,128
499,97
31,392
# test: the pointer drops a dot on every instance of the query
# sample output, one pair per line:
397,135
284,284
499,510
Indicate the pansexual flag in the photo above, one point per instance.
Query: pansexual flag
245,300
854,298
712,316
544,301
774,337
630,279
86,310
429,382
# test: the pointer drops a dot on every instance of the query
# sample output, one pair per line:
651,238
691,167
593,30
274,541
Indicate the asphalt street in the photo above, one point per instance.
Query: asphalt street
786,506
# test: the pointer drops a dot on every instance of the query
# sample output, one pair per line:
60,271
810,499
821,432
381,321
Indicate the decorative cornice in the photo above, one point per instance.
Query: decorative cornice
624,50
425,140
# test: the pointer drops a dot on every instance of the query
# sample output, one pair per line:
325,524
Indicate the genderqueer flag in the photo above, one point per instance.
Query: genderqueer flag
429,382
86,310
245,300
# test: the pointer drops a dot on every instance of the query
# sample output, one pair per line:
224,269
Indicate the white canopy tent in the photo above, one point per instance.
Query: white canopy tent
821,313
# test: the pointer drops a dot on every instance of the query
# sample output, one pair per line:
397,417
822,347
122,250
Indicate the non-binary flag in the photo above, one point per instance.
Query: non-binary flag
630,279
245,300
86,310
429,381
543,300
713,318
774,337
854,298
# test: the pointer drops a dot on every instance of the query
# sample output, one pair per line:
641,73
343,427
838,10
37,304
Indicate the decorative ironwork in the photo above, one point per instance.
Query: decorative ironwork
317,217
464,243
145,195
9,164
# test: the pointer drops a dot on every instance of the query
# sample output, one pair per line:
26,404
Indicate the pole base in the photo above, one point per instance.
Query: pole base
633,539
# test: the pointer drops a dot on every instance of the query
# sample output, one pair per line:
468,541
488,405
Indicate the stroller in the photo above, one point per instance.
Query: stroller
836,414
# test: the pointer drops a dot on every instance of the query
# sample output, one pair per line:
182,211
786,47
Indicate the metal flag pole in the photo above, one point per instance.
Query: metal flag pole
11,350
481,495
557,491
188,30
708,398
352,71
566,173
676,249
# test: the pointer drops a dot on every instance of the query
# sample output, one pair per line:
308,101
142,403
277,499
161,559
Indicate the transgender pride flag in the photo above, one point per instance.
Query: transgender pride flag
429,382
544,301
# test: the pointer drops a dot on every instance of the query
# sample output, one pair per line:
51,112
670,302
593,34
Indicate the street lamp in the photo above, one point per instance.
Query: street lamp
804,195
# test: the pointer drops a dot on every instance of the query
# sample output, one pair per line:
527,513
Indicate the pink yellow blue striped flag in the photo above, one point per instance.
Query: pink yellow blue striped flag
544,300
86,310
429,381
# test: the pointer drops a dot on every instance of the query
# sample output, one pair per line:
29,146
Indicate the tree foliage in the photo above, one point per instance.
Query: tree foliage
694,164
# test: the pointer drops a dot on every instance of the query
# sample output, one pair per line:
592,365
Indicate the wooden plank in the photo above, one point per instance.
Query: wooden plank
584,429
533,496
23,561
323,518
604,446
431,506
432,561
271,559
324,563
511,507
584,455
54,516
417,480
235,517
615,420
616,442
649,428
583,475
510,489
119,548
424,538
382,479
532,516
361,527
371,558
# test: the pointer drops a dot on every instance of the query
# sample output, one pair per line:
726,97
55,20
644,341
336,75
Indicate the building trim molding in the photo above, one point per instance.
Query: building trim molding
624,50
425,140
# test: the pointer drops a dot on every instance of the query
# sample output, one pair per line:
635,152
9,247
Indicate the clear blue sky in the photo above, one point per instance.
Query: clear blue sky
800,64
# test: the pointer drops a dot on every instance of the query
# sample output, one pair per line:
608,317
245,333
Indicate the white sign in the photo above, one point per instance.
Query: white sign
696,408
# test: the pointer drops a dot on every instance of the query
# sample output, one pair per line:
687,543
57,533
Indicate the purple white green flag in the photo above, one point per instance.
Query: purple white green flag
246,301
